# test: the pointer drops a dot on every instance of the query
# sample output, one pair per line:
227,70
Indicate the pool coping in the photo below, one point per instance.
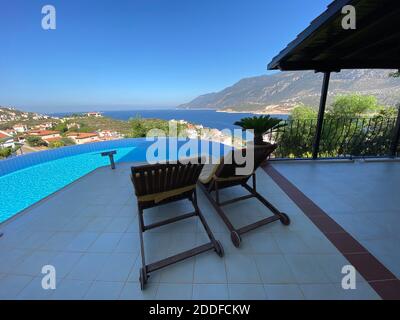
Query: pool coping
380,278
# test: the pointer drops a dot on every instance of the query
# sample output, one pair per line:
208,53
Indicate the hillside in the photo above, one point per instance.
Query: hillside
280,92
13,114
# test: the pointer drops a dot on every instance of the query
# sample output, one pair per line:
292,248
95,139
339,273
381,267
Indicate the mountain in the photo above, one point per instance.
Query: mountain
280,92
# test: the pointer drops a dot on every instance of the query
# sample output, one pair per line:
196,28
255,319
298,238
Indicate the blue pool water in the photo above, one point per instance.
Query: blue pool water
20,189
27,179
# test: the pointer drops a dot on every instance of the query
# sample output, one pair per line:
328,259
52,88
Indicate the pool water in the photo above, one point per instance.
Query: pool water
22,188
27,179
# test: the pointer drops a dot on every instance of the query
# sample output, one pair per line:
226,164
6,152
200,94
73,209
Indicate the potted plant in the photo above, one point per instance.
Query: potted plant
260,126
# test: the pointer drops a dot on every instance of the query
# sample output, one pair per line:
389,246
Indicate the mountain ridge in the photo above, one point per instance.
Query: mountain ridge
280,92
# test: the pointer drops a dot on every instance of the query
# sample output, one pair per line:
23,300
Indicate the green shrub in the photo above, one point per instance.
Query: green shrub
260,125
141,127
35,141
56,144
353,105
353,125
64,141
61,127
67,141
303,112
5,152
138,128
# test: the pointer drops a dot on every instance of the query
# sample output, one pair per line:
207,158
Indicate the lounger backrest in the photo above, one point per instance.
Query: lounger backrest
229,164
163,177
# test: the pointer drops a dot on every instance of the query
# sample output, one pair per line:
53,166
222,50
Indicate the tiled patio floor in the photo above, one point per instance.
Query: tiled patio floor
363,197
88,231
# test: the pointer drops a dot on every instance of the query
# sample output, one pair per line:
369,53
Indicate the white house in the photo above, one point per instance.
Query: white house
109,135
45,134
83,137
94,114
6,140
45,126
20,128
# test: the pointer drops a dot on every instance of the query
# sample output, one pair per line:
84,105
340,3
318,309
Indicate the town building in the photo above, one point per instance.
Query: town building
109,135
94,114
44,134
6,140
20,128
45,126
83,137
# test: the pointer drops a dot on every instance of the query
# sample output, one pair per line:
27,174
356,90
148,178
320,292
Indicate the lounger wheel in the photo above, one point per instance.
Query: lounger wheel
236,239
219,249
284,218
142,278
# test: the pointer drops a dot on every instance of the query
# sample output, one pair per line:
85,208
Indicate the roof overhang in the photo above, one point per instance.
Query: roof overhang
326,46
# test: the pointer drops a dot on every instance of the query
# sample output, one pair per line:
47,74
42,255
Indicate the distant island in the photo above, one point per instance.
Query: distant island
279,93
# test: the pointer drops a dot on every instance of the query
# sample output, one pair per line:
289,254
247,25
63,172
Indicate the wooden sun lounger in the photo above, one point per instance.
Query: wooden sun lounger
164,183
223,175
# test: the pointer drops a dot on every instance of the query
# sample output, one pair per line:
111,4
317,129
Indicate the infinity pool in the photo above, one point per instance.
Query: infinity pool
27,179
22,188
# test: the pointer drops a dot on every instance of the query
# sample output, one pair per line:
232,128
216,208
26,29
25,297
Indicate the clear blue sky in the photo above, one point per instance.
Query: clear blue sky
120,54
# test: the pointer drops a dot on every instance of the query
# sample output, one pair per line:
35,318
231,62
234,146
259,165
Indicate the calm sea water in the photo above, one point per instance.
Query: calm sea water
207,118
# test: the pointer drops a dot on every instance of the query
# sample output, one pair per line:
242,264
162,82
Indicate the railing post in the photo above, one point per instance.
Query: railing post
396,135
321,112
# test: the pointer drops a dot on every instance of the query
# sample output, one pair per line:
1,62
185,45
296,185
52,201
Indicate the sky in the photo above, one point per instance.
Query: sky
124,55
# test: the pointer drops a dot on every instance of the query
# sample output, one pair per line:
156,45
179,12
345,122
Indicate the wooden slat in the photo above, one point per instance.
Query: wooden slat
157,178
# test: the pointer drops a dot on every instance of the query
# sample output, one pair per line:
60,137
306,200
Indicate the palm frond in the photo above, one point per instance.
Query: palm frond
260,124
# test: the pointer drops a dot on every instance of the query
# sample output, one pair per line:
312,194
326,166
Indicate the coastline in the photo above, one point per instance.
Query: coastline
230,111
254,112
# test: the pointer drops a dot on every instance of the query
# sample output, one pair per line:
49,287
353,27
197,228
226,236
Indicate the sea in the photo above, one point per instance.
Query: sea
207,118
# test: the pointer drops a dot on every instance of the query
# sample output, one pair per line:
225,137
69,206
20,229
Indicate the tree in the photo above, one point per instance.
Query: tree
5,152
35,141
354,125
61,127
352,106
296,140
386,112
303,112
138,129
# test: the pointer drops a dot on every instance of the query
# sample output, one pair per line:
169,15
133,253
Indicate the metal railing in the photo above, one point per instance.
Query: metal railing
340,138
